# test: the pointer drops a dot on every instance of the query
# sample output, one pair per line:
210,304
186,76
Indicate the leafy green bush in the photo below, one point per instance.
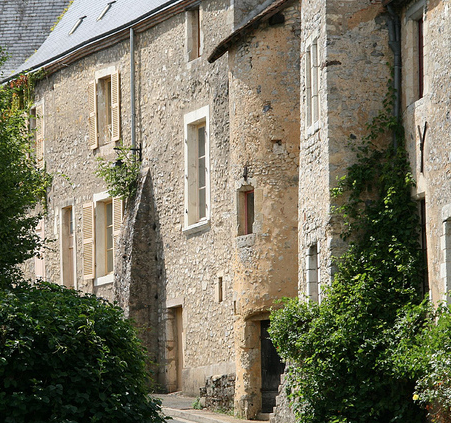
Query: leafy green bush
121,176
68,358
344,350
430,353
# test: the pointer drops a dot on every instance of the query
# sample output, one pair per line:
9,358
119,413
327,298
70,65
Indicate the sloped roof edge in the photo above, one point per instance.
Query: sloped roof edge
247,27
99,42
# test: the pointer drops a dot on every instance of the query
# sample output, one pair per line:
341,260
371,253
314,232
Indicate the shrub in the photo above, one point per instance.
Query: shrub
69,358
344,350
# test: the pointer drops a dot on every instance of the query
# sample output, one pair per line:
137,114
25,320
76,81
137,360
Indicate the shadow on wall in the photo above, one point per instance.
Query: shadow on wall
137,287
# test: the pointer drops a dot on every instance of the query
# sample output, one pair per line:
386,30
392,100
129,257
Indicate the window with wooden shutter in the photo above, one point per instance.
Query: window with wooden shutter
88,241
117,219
115,107
39,135
92,100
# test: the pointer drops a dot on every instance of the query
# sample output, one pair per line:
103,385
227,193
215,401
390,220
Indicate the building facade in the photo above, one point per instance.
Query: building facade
246,112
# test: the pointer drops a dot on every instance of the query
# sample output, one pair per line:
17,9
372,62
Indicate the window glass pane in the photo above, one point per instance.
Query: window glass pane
109,214
109,261
109,237
202,203
201,140
201,172
249,211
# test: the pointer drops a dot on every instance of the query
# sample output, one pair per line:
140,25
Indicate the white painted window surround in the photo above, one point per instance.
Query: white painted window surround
197,170
312,81
445,243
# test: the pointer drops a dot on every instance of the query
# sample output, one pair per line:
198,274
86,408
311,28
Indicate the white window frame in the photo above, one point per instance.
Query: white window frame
445,244
413,15
192,121
102,277
97,236
115,97
64,242
312,82
313,276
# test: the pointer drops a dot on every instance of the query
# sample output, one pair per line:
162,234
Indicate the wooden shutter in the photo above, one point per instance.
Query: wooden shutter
39,135
92,102
117,221
88,241
115,107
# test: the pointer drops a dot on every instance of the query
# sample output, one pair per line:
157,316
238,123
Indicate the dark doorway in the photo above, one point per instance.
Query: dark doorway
272,368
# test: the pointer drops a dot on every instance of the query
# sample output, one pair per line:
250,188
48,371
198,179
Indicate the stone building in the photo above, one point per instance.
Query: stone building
244,111
198,257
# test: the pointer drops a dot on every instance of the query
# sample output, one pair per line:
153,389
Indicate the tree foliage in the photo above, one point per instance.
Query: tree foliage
345,349
67,358
23,185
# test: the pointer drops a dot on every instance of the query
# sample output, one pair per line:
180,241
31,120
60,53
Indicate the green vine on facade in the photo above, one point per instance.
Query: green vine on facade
348,367
121,175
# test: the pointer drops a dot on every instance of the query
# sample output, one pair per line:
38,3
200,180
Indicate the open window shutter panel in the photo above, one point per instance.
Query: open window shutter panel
88,241
39,135
117,220
115,106
92,100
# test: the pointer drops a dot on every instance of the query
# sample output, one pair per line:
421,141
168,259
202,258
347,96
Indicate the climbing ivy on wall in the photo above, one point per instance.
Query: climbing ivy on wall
348,366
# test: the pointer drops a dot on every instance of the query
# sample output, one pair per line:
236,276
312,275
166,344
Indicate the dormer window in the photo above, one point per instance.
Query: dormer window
105,10
77,24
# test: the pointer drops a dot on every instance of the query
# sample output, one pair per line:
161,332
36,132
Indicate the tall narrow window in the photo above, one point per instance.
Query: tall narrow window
420,57
102,221
201,168
104,112
249,211
423,243
312,84
39,263
197,173
414,58
36,127
109,240
245,210
67,247
193,33
313,276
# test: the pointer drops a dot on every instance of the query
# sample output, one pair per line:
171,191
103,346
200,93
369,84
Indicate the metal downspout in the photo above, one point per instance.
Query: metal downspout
394,32
132,89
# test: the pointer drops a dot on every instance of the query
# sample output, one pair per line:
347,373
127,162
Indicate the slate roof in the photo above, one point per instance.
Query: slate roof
24,25
122,14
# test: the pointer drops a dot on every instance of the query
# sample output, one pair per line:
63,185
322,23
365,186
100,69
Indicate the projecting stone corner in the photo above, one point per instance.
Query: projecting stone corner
282,411
218,392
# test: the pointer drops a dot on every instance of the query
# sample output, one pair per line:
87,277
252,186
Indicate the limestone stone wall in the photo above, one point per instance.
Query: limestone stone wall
353,52
432,110
189,265
264,144
219,392
159,267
